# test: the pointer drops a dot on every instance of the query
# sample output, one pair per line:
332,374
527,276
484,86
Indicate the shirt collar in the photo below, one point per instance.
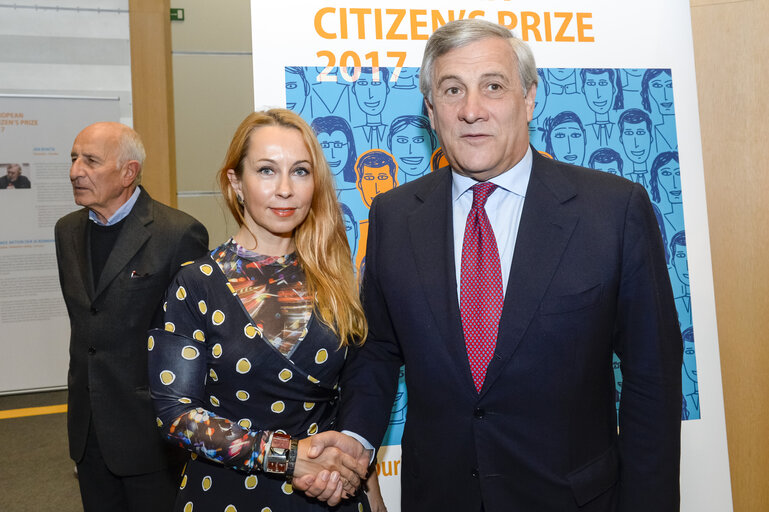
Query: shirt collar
121,213
514,180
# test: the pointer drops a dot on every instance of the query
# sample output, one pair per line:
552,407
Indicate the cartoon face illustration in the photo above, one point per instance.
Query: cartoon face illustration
376,170
375,181
670,180
543,91
680,261
351,229
408,78
561,74
612,167
599,92
661,91
568,143
297,89
335,147
371,94
637,140
411,149
690,361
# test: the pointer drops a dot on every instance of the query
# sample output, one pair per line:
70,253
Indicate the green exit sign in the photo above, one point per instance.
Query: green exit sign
177,14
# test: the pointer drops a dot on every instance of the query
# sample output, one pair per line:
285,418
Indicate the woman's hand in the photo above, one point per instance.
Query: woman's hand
334,472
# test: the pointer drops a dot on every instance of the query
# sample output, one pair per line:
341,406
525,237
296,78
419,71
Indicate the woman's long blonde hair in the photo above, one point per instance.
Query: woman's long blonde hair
321,240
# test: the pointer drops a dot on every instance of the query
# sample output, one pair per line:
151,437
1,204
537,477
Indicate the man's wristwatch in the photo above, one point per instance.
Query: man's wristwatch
277,450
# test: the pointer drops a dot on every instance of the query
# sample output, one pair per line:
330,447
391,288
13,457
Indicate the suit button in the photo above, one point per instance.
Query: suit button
478,413
474,473
91,350
94,311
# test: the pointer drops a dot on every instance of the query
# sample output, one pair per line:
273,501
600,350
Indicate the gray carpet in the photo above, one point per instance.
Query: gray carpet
36,473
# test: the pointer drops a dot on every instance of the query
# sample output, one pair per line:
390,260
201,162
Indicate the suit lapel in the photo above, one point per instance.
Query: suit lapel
82,253
133,236
432,239
545,229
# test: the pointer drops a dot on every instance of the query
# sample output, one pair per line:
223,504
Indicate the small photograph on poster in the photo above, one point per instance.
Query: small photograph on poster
15,176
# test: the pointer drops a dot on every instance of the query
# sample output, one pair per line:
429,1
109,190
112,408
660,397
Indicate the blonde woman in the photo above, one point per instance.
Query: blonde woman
256,333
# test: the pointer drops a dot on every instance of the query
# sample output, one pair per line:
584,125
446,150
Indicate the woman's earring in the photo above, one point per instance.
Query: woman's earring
241,201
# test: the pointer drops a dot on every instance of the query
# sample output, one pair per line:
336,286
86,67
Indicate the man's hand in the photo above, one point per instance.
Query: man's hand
330,466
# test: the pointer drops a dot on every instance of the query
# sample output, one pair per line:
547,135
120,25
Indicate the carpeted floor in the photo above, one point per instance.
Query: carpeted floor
36,474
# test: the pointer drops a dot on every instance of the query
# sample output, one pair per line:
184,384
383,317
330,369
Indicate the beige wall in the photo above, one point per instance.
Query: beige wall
212,91
731,48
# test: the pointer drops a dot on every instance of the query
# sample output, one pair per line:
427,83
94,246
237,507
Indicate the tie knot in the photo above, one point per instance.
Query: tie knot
481,193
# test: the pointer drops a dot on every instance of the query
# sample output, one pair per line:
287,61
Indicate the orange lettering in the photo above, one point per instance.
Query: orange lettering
318,23
582,26
399,15
416,24
560,37
530,26
343,22
507,19
361,13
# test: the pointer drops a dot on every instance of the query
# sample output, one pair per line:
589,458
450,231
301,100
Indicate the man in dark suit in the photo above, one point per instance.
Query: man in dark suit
116,257
504,283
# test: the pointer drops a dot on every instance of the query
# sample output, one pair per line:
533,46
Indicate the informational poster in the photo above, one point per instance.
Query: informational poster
36,135
613,95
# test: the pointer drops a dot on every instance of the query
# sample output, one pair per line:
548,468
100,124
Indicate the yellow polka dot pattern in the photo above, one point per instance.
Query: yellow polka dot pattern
243,365
216,350
206,269
170,327
167,377
185,400
229,285
199,335
189,353
250,482
230,508
360,507
313,429
202,307
184,482
213,375
308,406
278,407
286,488
181,293
245,423
285,375
250,331
217,317
150,343
321,356
312,379
159,422
187,263
206,483
188,507
214,401
242,395
266,509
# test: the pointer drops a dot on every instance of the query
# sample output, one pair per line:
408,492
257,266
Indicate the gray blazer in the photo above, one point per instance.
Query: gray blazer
109,321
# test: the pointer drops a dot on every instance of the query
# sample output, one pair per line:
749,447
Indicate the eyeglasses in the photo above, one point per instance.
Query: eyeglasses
335,145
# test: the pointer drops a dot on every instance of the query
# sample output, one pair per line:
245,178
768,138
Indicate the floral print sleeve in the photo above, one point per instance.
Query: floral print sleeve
178,372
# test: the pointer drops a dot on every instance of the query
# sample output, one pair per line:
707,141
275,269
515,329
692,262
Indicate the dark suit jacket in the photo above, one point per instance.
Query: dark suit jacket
109,322
588,277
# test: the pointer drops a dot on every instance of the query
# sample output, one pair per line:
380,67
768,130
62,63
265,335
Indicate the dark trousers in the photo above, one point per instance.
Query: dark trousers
101,489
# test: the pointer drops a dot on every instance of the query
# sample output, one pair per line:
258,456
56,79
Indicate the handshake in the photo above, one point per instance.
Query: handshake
330,466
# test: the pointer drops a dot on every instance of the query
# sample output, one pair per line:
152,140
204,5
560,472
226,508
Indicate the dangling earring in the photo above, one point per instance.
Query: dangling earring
241,201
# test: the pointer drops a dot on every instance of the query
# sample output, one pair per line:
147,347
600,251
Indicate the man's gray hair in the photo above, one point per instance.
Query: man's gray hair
459,33
130,148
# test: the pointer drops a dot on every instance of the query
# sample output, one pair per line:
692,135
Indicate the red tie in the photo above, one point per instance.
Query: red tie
480,291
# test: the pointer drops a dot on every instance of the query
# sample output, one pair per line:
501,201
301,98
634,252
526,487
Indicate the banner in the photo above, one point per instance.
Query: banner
616,92
36,135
